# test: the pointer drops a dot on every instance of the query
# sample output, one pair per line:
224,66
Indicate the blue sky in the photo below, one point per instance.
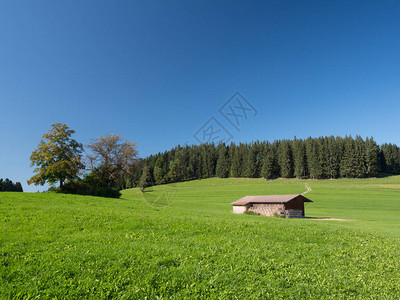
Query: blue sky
157,71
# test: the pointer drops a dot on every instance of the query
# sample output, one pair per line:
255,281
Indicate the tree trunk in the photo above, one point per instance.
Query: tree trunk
61,185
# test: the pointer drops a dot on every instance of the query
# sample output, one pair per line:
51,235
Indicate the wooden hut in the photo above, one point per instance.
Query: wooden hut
289,206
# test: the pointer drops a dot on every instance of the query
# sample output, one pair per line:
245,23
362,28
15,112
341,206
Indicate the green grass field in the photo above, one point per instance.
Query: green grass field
182,241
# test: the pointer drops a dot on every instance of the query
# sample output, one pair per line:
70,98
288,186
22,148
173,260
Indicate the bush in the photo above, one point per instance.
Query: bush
80,187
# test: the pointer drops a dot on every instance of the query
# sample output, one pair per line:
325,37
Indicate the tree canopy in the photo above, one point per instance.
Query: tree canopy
110,158
57,157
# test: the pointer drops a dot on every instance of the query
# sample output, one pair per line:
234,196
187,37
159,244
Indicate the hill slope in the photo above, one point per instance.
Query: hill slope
187,243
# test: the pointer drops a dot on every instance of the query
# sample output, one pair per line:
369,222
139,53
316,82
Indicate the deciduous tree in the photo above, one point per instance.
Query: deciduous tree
110,157
57,157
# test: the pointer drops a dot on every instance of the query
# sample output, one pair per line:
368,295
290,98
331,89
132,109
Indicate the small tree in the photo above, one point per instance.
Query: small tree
145,180
57,158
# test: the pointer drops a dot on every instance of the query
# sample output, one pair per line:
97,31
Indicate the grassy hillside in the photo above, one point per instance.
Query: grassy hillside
183,241
374,203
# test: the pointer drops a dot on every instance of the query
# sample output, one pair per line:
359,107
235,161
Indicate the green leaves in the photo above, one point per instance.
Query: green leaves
57,158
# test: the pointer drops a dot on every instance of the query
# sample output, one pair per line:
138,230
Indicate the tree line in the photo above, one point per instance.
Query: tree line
110,163
315,158
8,186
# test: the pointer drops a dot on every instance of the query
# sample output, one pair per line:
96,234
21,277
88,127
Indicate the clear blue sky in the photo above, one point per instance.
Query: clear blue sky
156,71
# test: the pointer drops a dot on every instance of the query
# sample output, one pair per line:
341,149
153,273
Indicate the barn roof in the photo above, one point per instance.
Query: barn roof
268,199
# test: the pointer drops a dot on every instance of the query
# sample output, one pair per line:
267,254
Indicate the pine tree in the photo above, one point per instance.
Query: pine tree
222,168
175,168
348,164
314,158
270,166
145,180
18,187
193,164
251,163
243,153
299,158
8,185
235,162
372,150
360,158
184,161
322,158
333,160
208,160
285,159
396,154
160,170
258,150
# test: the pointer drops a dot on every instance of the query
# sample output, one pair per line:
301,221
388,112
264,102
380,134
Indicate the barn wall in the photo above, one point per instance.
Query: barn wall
296,204
240,209
268,210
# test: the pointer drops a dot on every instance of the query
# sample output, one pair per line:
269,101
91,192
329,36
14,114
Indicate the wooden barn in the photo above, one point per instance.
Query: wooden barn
288,206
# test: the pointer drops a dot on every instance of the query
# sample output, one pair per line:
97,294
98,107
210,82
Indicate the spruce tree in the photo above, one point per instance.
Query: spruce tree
18,187
235,162
258,150
372,150
348,164
360,158
175,168
314,158
251,163
243,153
222,167
322,158
160,170
208,160
299,158
333,160
193,164
145,179
270,167
285,159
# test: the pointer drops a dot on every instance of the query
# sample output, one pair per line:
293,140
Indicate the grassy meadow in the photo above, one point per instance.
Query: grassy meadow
182,241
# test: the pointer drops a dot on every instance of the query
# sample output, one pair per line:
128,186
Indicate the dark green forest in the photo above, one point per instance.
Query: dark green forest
315,158
8,186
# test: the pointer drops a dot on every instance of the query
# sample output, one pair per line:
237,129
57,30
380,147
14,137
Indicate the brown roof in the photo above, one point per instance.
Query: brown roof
268,199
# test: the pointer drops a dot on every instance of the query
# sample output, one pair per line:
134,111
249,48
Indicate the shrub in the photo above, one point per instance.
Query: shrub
80,187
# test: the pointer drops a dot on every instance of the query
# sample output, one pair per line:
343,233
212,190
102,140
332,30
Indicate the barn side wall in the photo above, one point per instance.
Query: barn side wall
296,204
240,209
268,210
